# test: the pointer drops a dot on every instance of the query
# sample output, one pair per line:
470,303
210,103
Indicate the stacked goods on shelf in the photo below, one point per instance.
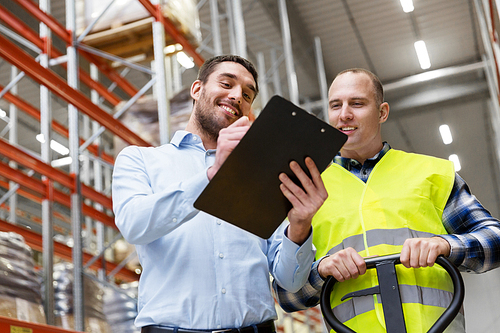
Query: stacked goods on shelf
20,286
95,321
125,29
120,308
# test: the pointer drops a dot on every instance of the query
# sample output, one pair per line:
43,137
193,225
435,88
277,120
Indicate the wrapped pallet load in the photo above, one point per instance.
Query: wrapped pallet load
125,29
20,286
120,307
95,320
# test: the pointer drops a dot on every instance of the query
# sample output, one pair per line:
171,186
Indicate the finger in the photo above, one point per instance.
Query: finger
243,121
316,177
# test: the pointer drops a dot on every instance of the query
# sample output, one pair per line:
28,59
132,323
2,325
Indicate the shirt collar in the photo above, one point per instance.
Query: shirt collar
347,162
184,137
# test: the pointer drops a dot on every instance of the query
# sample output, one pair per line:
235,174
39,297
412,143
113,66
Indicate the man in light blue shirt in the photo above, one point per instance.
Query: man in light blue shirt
199,272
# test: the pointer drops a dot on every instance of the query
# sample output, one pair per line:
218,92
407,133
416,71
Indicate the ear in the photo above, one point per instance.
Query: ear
383,113
195,89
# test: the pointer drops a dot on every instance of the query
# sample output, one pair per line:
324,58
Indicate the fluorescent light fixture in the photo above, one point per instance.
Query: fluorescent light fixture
169,49
446,134
184,60
61,162
58,148
407,5
2,113
40,138
456,161
423,56
54,145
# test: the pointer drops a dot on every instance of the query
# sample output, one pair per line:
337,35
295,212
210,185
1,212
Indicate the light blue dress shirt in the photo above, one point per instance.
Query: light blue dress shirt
199,272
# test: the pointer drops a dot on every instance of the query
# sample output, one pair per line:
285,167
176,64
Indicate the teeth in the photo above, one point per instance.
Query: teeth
348,128
228,109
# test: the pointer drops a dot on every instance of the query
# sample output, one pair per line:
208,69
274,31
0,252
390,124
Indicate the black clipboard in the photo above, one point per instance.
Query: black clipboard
245,191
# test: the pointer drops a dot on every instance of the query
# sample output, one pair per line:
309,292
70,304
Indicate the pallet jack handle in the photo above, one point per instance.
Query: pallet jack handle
377,262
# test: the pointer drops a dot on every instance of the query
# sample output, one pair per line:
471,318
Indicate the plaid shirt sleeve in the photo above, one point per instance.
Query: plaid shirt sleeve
306,297
474,235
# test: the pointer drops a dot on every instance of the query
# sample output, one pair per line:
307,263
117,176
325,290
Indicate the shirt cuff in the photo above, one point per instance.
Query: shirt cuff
315,279
303,254
457,250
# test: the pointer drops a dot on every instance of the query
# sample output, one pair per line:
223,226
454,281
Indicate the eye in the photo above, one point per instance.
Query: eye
225,85
247,96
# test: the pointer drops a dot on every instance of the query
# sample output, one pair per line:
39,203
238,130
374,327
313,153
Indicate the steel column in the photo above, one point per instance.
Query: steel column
214,17
293,86
239,29
261,65
13,140
276,74
323,87
161,82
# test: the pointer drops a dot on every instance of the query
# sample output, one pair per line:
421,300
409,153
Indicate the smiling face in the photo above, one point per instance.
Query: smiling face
226,96
353,109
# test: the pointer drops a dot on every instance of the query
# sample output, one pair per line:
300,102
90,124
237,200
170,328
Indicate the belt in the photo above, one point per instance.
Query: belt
265,327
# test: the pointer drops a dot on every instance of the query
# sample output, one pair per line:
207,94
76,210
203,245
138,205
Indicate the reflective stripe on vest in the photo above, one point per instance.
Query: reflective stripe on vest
403,198
409,294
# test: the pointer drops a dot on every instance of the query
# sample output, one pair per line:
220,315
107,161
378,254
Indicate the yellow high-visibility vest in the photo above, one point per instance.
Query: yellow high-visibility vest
403,198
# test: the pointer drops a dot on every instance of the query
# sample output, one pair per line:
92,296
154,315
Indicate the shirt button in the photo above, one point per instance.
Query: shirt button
174,220
218,326
218,222
221,255
223,290
300,254
208,153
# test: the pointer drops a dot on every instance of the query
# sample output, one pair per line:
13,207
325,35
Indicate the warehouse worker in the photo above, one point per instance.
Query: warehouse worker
201,273
383,201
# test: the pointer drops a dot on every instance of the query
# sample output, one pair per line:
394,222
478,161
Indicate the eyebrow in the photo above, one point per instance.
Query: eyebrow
232,76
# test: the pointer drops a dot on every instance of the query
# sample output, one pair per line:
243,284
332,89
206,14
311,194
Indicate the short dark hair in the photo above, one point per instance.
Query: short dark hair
377,84
209,65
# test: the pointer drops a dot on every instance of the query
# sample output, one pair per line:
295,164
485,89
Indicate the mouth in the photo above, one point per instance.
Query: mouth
229,110
347,129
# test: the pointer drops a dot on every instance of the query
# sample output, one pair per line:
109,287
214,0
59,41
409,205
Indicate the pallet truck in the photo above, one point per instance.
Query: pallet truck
388,289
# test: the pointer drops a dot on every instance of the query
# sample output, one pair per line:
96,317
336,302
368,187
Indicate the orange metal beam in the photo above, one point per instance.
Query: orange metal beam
59,87
33,37
39,187
58,127
59,30
62,251
14,325
171,30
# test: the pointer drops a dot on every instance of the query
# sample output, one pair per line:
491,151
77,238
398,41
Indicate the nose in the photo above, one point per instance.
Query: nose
345,113
236,94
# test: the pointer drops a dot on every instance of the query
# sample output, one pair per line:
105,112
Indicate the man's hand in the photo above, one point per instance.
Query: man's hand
229,137
343,265
305,202
423,252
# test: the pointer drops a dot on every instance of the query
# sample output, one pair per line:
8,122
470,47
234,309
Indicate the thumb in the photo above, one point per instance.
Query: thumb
243,121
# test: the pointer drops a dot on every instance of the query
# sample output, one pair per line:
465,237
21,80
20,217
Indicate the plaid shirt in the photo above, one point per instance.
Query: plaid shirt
474,235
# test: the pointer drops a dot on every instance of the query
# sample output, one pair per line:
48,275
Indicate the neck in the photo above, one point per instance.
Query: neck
360,155
194,127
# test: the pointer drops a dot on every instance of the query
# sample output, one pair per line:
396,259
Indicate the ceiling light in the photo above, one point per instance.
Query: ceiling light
59,148
2,113
446,134
423,56
407,5
184,60
54,145
456,161
61,162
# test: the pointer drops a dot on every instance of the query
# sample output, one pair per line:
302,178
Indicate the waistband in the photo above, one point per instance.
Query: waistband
265,327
